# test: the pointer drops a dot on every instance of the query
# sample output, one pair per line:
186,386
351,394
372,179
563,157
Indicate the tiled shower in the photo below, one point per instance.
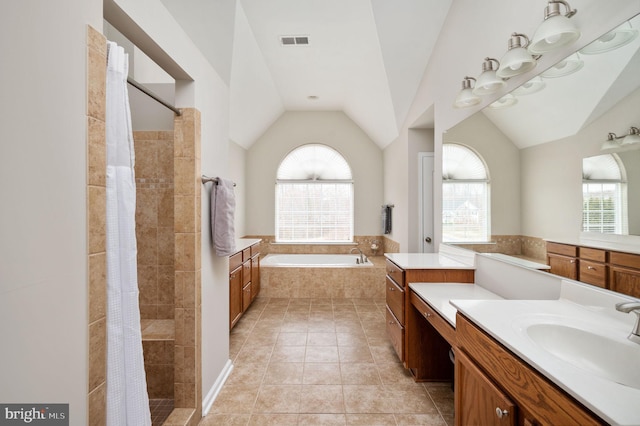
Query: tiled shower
156,264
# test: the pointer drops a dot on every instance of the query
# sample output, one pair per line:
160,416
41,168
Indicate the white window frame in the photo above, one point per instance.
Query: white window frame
484,232
314,234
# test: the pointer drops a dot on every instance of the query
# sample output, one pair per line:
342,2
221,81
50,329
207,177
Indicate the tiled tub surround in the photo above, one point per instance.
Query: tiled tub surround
268,245
154,223
324,282
322,361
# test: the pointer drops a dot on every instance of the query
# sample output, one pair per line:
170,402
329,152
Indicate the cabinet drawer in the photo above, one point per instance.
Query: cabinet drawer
395,331
593,254
246,254
255,250
564,249
395,299
593,273
625,259
396,273
434,318
235,260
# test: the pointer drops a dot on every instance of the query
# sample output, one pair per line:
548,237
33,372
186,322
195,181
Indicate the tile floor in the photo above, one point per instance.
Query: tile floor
322,362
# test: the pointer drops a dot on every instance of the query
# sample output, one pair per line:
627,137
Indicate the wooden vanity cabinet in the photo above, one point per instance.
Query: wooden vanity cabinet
609,269
478,401
563,260
624,273
244,281
592,266
404,326
235,296
429,342
491,380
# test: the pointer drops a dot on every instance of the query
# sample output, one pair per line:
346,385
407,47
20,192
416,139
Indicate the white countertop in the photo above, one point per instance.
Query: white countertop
438,296
426,261
507,322
243,243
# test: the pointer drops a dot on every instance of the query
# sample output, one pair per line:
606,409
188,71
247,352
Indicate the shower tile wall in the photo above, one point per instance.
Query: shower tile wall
154,223
96,219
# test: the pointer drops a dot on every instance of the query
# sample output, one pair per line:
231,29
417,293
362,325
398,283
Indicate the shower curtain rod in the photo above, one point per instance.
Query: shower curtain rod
152,95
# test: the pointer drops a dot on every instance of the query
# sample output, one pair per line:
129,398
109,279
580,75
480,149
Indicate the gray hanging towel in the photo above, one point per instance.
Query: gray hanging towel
386,219
223,205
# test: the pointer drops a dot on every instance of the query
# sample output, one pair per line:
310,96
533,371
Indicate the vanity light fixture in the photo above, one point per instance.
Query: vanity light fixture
565,67
632,137
517,60
466,97
613,141
488,82
534,85
504,102
614,39
556,30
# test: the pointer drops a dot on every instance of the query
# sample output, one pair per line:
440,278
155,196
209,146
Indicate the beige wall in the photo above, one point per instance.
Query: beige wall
293,129
237,162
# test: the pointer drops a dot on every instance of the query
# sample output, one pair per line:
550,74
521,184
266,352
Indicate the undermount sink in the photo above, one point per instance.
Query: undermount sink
610,359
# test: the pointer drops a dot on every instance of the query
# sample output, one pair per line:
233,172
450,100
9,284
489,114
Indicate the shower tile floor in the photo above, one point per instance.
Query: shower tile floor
322,362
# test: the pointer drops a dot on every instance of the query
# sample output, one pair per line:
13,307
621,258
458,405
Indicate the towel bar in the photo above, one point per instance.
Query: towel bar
206,179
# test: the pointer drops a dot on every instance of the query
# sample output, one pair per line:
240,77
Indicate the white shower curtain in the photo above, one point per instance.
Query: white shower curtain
127,399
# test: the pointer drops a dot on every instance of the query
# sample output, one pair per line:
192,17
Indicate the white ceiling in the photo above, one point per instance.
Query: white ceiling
365,58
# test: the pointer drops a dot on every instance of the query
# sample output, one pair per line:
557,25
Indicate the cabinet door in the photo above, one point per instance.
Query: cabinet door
246,297
624,280
235,296
477,400
255,276
563,266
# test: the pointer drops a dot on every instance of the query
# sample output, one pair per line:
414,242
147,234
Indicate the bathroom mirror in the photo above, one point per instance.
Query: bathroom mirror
534,139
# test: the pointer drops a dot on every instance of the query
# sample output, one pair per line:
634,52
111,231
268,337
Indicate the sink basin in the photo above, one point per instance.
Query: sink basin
610,359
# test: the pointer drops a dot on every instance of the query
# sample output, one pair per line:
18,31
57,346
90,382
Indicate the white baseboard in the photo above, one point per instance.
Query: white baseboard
211,396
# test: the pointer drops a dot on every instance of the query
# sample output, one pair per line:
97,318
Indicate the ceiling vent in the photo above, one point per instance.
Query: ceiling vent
294,40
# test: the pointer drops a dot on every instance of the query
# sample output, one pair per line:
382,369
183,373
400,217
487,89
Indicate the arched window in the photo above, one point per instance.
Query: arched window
465,195
604,195
314,196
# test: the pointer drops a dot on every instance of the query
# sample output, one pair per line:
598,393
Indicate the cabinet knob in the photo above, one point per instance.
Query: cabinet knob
392,289
572,261
591,267
426,314
501,413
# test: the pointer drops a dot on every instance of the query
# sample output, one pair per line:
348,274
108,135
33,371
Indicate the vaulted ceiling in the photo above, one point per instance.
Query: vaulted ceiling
363,57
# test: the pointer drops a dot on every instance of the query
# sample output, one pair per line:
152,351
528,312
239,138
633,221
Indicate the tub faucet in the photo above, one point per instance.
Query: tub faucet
362,258
628,307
